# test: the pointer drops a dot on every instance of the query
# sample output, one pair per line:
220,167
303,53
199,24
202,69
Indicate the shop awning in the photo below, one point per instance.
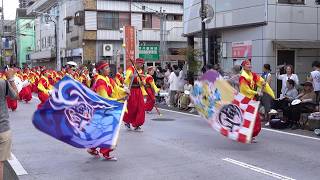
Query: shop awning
297,44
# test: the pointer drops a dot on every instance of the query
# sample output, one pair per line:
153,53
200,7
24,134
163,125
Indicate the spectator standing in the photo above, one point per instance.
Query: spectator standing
315,79
174,81
284,77
7,88
266,100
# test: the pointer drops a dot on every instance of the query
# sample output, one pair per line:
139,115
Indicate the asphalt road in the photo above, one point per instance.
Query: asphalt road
185,148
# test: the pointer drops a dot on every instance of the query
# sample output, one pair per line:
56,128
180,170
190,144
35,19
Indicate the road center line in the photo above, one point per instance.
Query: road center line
257,169
265,129
16,165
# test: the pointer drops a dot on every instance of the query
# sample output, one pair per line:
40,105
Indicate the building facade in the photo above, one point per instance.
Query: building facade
94,25
26,3
7,45
47,30
267,31
25,37
91,30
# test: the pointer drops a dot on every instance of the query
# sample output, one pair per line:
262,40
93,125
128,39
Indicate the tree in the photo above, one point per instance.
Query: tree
192,57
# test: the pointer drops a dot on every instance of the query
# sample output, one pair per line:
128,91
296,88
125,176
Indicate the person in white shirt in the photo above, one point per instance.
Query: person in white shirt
174,80
285,77
185,97
315,79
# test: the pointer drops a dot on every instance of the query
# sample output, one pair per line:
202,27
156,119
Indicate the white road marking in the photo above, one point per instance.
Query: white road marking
265,129
188,114
16,165
257,169
291,134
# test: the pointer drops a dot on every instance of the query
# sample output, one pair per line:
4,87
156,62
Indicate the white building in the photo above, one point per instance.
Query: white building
268,31
47,29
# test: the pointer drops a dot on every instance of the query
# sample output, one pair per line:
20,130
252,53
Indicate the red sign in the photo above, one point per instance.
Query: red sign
242,49
130,44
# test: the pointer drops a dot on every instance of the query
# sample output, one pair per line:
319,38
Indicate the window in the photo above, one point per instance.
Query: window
79,18
68,27
147,21
173,17
50,41
124,19
291,1
7,29
108,20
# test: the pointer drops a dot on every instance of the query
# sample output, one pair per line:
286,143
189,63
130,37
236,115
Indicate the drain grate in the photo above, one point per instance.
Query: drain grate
162,119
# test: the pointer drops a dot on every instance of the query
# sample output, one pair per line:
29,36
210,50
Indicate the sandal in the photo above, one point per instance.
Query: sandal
94,152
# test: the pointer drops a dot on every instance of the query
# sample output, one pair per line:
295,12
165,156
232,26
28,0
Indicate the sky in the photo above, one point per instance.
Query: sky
10,7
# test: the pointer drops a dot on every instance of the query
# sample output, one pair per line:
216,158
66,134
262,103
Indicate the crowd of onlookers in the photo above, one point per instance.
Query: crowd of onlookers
295,98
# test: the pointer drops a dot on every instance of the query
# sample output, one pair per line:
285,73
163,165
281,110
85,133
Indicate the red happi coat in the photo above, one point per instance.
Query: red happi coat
136,111
151,89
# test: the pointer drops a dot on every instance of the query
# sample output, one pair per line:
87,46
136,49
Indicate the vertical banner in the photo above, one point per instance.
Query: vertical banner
130,44
242,49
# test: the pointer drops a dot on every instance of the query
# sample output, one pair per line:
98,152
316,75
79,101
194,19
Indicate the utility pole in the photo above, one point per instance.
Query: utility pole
2,34
163,32
130,16
203,33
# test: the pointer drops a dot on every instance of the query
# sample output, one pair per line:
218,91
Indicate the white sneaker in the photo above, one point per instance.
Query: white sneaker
267,124
192,111
273,111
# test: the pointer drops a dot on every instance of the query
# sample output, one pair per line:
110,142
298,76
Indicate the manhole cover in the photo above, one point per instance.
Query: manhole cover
162,119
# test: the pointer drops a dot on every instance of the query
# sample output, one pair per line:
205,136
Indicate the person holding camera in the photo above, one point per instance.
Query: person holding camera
7,88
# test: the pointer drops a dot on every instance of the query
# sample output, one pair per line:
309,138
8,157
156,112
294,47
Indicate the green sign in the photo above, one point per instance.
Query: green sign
150,53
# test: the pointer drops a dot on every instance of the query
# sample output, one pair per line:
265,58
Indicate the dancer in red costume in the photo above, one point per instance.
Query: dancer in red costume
251,86
26,92
151,89
107,88
135,115
44,88
119,77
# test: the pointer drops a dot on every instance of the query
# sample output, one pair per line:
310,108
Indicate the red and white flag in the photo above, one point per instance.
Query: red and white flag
236,120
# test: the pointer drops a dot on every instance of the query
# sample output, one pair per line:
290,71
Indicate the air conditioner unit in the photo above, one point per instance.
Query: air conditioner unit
107,50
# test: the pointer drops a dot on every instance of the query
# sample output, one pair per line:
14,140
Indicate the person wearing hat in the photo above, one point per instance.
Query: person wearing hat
107,88
252,85
151,89
303,103
44,88
135,115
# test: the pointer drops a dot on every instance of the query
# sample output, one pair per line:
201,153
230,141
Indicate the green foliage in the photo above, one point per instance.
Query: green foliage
192,57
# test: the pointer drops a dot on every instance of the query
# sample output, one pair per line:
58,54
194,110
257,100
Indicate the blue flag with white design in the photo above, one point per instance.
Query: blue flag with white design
78,116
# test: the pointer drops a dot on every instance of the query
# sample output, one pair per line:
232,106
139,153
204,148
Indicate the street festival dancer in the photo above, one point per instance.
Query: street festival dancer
135,115
251,86
107,88
151,89
119,77
44,88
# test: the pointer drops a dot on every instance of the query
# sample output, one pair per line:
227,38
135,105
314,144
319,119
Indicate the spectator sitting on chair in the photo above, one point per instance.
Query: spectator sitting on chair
304,103
284,101
185,97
